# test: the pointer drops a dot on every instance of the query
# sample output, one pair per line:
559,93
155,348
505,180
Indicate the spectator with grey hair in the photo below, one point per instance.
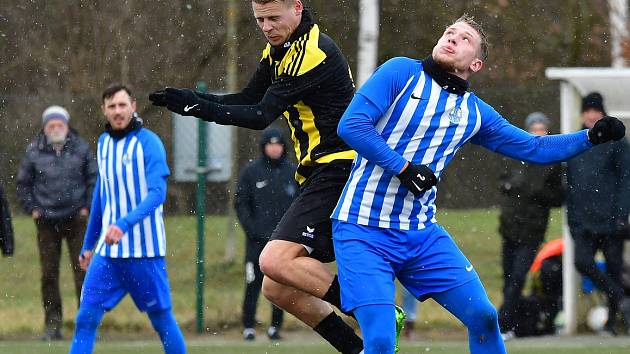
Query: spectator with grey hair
54,186
528,193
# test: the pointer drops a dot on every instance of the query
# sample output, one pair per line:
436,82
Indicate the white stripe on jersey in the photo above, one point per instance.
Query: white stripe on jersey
123,187
146,222
135,232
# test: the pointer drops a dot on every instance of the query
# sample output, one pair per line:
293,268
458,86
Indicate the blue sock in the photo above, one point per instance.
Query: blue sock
378,326
170,334
470,304
87,322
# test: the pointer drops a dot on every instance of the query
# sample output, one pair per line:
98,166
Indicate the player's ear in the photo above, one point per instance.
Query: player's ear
476,65
299,7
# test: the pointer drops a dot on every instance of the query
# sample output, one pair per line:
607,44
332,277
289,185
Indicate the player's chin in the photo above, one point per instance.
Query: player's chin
445,62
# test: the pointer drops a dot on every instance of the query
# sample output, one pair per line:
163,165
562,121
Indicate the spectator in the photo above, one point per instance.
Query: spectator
529,191
598,201
265,190
54,186
6,229
535,313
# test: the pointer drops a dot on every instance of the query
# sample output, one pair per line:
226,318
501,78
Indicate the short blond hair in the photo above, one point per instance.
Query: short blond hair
470,20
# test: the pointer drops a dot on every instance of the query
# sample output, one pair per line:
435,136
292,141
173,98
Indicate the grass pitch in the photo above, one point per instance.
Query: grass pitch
547,345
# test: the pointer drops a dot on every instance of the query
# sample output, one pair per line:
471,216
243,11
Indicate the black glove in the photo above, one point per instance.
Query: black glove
606,129
181,101
417,178
622,229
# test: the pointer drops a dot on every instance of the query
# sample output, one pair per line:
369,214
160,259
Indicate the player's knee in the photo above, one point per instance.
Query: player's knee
270,263
483,319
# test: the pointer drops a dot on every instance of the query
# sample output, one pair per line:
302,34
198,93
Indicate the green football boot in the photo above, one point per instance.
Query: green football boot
400,324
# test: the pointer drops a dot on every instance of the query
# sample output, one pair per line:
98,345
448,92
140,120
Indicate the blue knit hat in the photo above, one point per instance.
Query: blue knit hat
55,112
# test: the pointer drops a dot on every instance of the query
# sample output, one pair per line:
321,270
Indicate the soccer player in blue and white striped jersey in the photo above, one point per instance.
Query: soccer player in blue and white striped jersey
125,242
406,123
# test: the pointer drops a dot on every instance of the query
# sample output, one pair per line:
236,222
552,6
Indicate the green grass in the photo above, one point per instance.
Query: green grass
126,330
21,314
588,345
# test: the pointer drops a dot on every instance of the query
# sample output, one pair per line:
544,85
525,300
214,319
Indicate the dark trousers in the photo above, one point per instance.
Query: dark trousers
49,236
517,258
253,284
586,245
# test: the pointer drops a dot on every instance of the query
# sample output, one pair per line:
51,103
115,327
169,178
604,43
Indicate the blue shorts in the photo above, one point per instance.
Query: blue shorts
108,280
425,262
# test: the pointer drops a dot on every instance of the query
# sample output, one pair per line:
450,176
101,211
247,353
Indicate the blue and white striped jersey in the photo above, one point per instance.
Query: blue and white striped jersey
401,114
129,193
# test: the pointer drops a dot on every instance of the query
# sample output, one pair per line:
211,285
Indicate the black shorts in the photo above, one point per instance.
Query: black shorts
307,221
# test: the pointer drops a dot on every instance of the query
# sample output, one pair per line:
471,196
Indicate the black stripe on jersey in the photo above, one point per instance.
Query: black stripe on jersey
302,55
299,50
300,135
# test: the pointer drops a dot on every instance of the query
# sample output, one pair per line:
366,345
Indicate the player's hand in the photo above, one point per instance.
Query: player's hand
606,129
84,259
113,234
36,214
417,178
180,101
158,98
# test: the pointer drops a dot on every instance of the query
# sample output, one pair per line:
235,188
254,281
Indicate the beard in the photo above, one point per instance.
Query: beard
56,137
446,63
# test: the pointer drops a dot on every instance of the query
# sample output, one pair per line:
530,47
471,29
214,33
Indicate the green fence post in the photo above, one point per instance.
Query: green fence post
201,213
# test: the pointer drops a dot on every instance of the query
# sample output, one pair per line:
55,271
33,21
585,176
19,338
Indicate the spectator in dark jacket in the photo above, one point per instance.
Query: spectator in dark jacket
266,188
54,186
6,228
529,191
598,202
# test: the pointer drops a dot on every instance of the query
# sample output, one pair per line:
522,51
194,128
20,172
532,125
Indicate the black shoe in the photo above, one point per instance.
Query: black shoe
274,333
249,334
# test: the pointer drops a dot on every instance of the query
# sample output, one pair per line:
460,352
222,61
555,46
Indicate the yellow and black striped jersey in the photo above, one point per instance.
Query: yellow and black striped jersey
312,76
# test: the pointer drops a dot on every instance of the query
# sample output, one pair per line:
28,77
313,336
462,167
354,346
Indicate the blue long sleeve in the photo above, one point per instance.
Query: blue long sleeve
544,149
497,134
95,223
357,129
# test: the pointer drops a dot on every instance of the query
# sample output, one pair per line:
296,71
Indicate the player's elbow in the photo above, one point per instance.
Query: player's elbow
343,129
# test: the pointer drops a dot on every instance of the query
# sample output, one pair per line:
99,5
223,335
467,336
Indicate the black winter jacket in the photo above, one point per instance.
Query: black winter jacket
265,191
598,189
529,191
57,184
6,227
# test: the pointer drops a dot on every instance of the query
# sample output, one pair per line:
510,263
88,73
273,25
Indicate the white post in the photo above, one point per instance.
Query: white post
618,14
569,103
368,39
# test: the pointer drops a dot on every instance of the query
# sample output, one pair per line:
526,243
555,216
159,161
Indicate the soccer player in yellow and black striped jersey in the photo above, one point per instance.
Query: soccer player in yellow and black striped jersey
303,77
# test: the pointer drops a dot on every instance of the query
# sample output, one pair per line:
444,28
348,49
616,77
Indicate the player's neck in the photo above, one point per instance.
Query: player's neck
451,82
